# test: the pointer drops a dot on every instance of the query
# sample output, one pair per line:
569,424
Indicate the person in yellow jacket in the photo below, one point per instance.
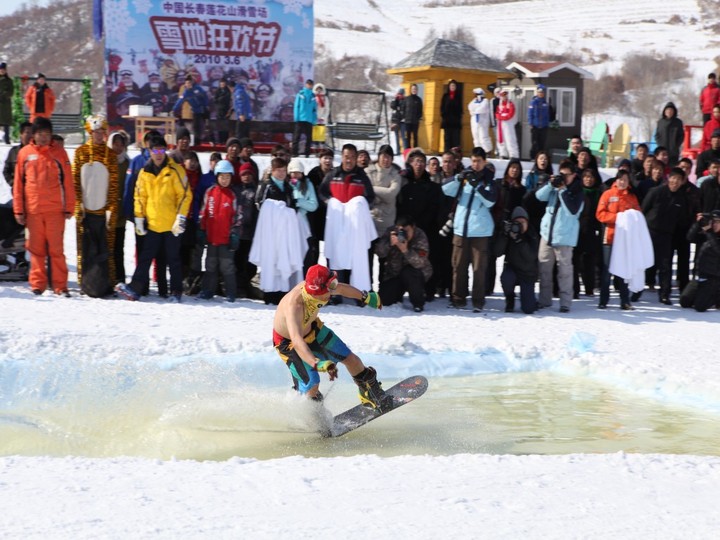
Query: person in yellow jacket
95,175
162,202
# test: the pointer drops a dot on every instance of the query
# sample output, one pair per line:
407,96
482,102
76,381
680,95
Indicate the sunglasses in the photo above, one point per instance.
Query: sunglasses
158,151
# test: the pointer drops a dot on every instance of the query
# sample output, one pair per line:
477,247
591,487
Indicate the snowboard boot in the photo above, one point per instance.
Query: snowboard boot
370,390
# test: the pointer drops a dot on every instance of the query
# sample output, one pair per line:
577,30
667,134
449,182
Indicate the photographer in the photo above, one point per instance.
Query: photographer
472,228
519,243
704,292
404,249
559,231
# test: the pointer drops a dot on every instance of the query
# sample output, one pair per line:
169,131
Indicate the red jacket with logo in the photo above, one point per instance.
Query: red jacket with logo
345,185
217,216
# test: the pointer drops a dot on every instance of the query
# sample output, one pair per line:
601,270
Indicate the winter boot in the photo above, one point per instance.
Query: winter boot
370,390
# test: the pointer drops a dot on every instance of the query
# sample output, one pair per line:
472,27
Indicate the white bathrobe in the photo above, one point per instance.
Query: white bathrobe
349,230
279,246
632,250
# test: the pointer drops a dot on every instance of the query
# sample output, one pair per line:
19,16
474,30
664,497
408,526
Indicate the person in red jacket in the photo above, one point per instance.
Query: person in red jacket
43,198
615,200
709,97
218,224
710,127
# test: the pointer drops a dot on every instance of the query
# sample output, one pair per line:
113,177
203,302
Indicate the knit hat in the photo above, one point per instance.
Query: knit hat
246,168
519,212
401,91
3,65
295,165
231,141
319,279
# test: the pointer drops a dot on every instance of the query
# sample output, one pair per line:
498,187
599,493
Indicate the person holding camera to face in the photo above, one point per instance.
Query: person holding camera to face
559,230
404,248
703,292
519,243
473,226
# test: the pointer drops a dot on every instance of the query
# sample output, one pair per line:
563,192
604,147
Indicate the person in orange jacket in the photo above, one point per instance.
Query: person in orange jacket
40,99
43,198
615,200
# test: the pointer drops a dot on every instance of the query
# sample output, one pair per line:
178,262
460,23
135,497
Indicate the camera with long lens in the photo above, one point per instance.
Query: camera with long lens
557,180
447,228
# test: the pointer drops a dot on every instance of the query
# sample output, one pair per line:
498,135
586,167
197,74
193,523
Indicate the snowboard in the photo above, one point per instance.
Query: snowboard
402,393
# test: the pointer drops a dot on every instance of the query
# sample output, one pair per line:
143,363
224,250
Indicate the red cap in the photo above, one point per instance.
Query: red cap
318,278
246,167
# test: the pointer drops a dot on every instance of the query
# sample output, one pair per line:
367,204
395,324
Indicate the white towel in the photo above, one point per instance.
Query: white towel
632,250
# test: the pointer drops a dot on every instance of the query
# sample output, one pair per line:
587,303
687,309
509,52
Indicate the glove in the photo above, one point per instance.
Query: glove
201,237
327,366
179,226
140,226
234,242
371,299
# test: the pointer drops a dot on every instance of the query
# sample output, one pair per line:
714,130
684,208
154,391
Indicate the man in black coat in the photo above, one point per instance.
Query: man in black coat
669,132
412,113
704,292
664,206
519,243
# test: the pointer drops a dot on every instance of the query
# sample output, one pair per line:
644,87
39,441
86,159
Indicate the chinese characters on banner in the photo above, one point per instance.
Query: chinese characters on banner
262,54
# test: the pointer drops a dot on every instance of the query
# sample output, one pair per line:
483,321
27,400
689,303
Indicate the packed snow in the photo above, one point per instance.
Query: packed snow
659,352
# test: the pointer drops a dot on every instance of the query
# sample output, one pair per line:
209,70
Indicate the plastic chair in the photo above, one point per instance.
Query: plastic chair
619,147
598,143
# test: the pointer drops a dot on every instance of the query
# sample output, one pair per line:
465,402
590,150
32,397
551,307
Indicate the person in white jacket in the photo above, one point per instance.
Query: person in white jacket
323,103
480,120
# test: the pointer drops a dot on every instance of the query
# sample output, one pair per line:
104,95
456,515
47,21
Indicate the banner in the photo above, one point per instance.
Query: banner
262,50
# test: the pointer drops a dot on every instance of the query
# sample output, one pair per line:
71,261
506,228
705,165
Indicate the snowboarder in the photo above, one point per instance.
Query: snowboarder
307,346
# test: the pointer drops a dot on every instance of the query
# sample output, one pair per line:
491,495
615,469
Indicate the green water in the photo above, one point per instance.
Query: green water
521,413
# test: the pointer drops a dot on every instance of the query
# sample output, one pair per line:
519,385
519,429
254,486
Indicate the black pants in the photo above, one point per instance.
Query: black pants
165,247
681,245
119,253
411,135
242,129
302,128
662,248
95,257
245,270
6,128
701,294
452,138
220,260
411,280
509,280
538,136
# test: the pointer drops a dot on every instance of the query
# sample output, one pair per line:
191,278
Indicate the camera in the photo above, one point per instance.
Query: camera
447,228
401,235
706,219
512,228
471,177
557,180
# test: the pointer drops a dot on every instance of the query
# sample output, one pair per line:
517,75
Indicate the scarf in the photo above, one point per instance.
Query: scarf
320,99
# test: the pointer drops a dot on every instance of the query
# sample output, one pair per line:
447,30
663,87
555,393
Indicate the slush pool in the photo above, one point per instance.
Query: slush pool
217,409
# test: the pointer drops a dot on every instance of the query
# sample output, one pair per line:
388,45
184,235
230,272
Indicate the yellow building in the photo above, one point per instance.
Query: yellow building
431,68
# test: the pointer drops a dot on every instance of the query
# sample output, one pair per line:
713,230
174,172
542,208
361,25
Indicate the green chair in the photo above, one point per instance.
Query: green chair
598,143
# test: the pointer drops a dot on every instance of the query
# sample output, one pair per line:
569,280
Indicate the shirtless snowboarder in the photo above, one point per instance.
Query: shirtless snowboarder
307,346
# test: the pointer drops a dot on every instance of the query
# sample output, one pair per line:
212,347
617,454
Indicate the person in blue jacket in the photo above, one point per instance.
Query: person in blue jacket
539,120
305,116
559,231
242,103
473,227
194,98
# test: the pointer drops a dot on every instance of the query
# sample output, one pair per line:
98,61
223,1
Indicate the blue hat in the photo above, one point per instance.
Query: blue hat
540,87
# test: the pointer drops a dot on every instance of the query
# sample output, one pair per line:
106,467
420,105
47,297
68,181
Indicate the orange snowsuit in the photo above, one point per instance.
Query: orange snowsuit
31,102
611,203
44,195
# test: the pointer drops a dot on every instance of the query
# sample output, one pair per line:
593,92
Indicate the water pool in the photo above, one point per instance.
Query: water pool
216,409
